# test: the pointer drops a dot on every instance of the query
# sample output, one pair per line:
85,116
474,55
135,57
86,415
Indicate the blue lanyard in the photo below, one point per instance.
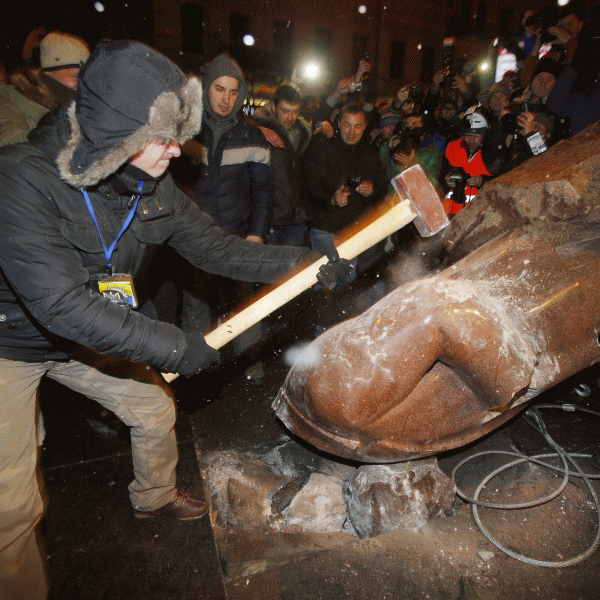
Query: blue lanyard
108,251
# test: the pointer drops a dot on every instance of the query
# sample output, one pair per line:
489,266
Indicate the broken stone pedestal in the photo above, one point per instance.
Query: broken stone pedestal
290,490
381,498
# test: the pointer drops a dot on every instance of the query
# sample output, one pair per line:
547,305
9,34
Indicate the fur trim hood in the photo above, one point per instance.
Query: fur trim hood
31,84
128,95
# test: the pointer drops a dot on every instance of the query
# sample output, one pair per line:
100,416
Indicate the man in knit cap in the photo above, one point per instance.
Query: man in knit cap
31,93
61,57
86,204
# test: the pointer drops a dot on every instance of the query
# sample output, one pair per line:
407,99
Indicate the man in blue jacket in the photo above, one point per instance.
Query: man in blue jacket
235,187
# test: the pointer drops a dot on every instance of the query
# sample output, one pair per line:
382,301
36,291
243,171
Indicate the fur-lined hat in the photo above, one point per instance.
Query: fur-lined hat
128,95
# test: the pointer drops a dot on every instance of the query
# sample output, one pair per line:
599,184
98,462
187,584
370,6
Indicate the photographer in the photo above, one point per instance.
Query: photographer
531,135
358,87
562,31
342,177
447,86
406,148
543,80
576,94
497,145
464,170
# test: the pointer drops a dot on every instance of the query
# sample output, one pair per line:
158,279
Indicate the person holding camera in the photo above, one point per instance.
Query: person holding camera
531,135
343,177
406,148
358,87
556,38
543,81
464,169
445,86
575,97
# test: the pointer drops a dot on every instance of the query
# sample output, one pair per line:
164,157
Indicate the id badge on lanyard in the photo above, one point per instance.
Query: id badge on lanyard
116,287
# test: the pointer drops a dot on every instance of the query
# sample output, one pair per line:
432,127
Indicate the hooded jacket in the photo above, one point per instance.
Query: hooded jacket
235,184
327,164
49,245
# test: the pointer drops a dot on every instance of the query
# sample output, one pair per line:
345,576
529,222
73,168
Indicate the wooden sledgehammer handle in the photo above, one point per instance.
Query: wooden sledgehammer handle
422,206
392,220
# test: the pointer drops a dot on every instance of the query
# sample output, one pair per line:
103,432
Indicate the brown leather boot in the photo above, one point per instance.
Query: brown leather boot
184,507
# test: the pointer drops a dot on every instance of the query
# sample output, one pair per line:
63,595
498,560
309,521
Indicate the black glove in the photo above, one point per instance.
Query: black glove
332,272
199,355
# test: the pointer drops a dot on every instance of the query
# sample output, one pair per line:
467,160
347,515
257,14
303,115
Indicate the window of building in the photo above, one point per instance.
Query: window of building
397,60
427,60
192,27
359,47
239,26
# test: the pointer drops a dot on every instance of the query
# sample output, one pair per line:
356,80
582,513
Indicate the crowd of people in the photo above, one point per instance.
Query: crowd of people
89,202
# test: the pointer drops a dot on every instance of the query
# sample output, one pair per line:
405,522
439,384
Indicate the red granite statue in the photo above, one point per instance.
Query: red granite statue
513,310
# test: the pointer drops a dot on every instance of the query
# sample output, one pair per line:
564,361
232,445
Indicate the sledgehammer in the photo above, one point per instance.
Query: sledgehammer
419,202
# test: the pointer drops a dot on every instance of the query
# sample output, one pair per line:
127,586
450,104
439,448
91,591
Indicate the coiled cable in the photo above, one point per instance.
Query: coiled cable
535,420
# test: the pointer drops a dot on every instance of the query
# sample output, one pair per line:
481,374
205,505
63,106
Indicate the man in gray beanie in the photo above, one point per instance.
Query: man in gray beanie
86,204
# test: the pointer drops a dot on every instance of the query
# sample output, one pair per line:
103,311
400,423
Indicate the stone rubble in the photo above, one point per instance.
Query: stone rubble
382,498
284,493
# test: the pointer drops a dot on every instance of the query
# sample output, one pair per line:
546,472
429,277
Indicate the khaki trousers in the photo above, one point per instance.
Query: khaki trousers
145,404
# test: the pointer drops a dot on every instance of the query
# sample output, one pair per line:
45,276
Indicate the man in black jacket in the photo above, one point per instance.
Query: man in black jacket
287,223
343,177
86,204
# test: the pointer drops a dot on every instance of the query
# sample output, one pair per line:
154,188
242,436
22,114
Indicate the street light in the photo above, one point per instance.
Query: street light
311,71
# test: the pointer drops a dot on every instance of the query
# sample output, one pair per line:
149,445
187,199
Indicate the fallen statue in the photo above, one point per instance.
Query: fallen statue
513,310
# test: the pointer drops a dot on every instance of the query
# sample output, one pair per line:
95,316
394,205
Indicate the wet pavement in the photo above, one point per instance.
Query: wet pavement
96,549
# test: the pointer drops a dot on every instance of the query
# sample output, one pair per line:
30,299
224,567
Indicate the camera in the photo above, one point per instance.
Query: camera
353,182
415,92
448,51
458,175
509,122
542,21
404,142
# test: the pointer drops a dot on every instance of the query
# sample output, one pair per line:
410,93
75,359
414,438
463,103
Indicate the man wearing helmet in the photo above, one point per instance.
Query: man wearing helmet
464,170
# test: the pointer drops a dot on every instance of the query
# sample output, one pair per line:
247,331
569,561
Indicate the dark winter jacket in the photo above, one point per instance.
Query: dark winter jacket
328,163
579,104
285,165
49,244
235,184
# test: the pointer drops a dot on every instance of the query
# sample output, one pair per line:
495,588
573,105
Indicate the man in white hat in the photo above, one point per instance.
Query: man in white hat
61,57
31,93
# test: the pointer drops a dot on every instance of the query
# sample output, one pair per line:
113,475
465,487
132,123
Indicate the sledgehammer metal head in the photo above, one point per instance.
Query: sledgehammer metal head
413,184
